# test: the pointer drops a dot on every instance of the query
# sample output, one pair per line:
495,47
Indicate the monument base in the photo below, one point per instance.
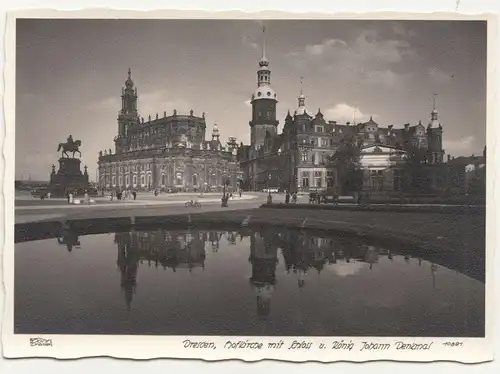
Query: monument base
70,179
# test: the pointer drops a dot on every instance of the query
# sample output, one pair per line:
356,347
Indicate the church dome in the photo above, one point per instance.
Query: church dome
264,92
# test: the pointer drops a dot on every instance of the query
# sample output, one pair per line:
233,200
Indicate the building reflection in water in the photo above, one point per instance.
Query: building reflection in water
185,251
68,238
264,259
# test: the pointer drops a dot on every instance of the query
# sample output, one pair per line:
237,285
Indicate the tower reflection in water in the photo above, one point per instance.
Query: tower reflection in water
301,252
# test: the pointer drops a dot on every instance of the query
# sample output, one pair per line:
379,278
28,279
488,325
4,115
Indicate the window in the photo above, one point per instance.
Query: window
113,181
314,141
305,179
318,176
195,180
127,180
163,179
330,179
143,182
316,158
324,143
304,156
134,181
320,129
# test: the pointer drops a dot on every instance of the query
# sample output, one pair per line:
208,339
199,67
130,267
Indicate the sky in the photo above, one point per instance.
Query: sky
69,75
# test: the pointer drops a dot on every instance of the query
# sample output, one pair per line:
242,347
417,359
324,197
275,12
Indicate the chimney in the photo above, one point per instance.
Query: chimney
449,157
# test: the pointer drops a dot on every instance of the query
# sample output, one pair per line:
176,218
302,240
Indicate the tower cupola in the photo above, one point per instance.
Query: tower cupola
434,114
301,109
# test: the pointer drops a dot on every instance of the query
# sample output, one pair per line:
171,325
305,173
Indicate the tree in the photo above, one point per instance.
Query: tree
347,161
416,178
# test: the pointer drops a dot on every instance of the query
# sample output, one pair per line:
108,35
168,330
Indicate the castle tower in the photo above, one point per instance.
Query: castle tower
264,259
263,103
435,152
301,109
128,116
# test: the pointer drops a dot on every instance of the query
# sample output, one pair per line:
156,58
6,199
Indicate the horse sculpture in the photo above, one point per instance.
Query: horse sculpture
70,147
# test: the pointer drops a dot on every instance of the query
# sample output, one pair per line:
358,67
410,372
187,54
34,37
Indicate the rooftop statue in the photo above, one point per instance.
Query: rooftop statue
70,146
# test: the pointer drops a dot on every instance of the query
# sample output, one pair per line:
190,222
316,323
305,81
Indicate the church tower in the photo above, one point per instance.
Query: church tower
435,152
263,103
128,116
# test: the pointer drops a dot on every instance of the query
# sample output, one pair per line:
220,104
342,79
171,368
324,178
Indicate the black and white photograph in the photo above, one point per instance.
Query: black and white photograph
219,183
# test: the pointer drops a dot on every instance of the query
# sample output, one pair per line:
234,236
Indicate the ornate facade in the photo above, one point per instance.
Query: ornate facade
298,158
168,151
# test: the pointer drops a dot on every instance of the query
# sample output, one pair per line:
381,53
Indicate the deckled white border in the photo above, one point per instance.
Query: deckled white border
147,347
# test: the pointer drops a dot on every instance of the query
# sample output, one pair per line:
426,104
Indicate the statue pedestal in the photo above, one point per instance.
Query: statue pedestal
69,178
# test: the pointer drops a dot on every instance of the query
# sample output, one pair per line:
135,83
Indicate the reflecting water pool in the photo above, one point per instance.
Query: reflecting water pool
264,282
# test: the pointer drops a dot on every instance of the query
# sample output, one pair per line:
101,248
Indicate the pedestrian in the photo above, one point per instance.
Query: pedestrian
134,194
240,193
86,198
70,200
67,195
294,197
287,197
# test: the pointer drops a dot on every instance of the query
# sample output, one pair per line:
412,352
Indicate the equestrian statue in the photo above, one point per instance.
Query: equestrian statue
70,146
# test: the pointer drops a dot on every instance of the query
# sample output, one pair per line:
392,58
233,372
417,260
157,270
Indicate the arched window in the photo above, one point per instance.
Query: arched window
142,181
163,179
134,181
195,180
304,156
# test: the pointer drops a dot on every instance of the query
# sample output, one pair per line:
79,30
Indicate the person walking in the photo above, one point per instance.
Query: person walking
287,197
134,194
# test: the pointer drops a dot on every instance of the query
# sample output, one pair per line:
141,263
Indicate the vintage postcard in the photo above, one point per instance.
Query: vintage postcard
249,186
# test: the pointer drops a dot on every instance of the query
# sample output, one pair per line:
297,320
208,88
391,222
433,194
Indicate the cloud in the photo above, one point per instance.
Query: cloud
249,42
399,29
439,77
369,47
346,113
111,102
387,78
459,146
368,51
325,46
159,101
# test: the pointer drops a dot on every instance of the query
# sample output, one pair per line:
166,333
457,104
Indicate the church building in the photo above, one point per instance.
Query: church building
166,152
